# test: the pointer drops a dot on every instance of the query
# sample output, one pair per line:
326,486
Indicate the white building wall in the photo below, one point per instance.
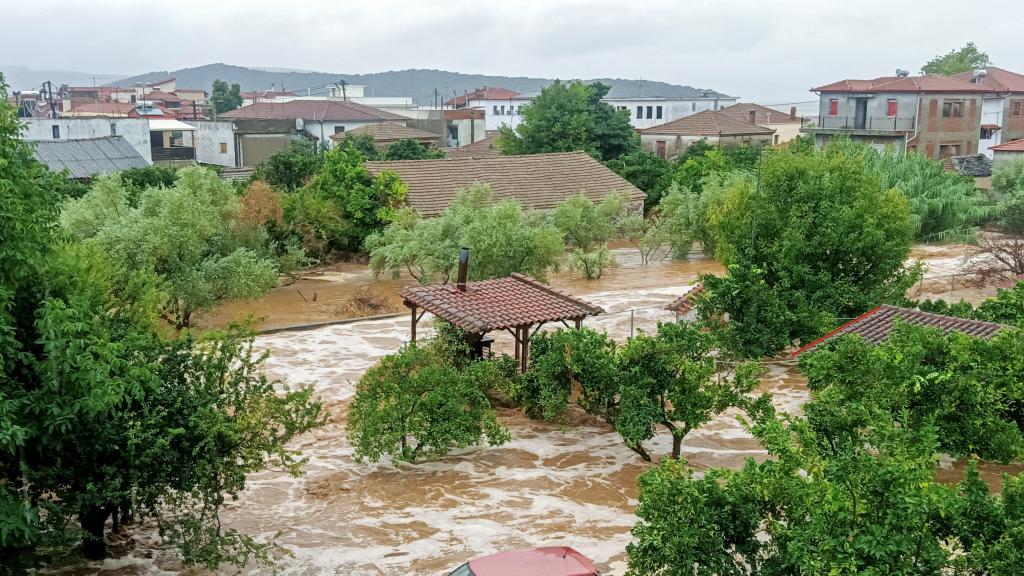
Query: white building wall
498,113
323,131
991,113
134,130
643,112
215,142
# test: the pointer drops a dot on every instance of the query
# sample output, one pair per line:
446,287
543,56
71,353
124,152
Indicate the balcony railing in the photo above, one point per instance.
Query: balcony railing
874,123
170,154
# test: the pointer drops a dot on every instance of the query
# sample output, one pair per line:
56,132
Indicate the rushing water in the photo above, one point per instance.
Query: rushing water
552,484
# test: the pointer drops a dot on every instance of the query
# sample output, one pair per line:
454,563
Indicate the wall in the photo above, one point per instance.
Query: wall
134,130
671,108
992,110
209,136
934,131
1004,156
1013,126
675,145
877,110
785,132
322,131
494,121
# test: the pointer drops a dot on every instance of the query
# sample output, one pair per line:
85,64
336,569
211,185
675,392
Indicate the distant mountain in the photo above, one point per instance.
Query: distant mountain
418,84
24,78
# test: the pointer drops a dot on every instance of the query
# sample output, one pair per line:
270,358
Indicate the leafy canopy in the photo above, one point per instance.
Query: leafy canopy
224,97
586,228
646,171
291,168
965,59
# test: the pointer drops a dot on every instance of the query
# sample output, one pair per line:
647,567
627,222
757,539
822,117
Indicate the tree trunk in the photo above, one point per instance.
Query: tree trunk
92,520
677,446
639,449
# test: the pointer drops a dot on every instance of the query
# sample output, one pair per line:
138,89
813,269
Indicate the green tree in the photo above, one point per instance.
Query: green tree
502,237
587,227
1006,307
570,117
224,97
813,239
646,171
1008,176
409,149
953,62
413,405
291,168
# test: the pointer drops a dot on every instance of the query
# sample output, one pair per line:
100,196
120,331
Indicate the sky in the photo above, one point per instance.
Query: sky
771,51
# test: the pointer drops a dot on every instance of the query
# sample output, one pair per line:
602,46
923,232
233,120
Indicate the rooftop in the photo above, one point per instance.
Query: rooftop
86,157
1011,146
497,304
313,110
927,83
763,115
388,132
996,80
105,108
875,325
707,123
486,148
537,181
686,302
485,93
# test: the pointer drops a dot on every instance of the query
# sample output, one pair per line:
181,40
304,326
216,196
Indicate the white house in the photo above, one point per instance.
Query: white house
134,130
317,119
645,112
501,106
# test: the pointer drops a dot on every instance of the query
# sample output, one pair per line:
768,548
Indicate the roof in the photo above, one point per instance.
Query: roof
104,108
313,110
485,93
1011,146
927,83
158,95
995,80
164,124
763,114
84,158
552,561
875,325
974,165
485,148
685,303
388,132
707,123
500,303
537,181
265,94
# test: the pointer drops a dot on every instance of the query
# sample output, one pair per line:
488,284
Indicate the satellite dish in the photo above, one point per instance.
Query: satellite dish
299,124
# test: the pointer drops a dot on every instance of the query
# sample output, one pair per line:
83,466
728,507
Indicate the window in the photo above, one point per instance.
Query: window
223,147
56,131
339,129
947,150
650,112
952,109
639,112
502,110
495,109
658,112
693,106
890,108
776,139
113,129
833,107
986,133
1016,108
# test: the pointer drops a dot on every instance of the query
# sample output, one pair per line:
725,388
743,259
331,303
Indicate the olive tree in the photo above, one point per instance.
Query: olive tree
587,227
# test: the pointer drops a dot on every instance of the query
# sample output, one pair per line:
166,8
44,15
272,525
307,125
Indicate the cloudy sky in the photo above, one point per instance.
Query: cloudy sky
767,50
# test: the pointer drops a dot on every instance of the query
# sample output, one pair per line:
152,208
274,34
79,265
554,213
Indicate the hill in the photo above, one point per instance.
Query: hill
419,84
24,78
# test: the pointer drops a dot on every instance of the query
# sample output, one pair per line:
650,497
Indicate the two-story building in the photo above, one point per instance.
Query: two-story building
937,116
1002,108
501,106
649,111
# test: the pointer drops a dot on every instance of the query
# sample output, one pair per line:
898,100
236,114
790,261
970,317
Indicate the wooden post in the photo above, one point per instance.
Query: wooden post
524,362
579,323
412,324
517,337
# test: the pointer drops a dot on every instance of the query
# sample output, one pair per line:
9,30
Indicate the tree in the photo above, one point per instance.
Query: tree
291,168
570,117
409,149
502,237
1008,177
1006,307
646,171
413,405
646,234
587,227
954,62
225,98
812,239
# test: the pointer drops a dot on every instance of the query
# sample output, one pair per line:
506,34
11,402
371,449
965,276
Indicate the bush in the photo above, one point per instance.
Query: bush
291,168
409,149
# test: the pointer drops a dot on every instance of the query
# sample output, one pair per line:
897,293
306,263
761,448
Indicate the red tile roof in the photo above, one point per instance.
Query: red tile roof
685,303
313,110
875,325
105,108
996,80
707,123
762,114
385,132
485,93
1011,146
487,305
928,83
485,148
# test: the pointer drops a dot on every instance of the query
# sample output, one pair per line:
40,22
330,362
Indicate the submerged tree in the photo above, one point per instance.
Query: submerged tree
587,227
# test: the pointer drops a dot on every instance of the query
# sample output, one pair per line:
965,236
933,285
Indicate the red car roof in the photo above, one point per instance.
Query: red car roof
551,561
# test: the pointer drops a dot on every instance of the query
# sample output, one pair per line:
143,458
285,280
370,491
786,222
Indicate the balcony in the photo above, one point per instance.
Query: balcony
177,153
881,125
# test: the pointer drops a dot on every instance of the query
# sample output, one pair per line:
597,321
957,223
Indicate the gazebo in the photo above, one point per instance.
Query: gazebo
518,304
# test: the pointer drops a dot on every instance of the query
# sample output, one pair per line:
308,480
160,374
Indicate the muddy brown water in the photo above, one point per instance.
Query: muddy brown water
552,484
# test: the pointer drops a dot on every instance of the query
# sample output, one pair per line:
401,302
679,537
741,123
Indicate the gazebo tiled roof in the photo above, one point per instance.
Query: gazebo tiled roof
875,325
498,304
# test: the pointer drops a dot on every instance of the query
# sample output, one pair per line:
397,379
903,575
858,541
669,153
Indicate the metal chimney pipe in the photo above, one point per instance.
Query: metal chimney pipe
753,117
460,283
792,112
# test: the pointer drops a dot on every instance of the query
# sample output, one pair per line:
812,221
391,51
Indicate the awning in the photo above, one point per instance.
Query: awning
991,126
165,124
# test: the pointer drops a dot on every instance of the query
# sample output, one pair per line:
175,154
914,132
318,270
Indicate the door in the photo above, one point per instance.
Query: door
661,148
860,114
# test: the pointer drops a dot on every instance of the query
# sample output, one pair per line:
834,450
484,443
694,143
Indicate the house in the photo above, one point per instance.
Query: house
501,106
241,142
197,95
171,141
486,148
316,119
786,124
537,181
102,109
165,85
134,131
254,96
1008,151
938,116
672,138
650,111
385,134
1002,107
87,157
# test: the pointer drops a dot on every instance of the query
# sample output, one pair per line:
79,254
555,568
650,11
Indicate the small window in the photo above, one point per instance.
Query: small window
693,106
56,131
650,112
1016,108
639,112
776,139
657,112
503,110
495,109
986,134
952,109
833,107
890,108
223,147
113,129
947,150
339,129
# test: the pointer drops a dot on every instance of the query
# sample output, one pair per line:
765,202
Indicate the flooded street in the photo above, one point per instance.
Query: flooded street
551,485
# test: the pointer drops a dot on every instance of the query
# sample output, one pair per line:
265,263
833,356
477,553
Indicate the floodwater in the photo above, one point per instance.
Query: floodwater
552,484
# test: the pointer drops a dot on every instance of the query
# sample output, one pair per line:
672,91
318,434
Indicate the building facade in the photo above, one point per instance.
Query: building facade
673,138
652,111
1002,109
135,131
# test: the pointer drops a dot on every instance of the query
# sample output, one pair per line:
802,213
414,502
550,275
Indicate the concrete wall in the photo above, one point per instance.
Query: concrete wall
935,131
512,109
675,145
1013,126
877,109
671,108
322,131
134,130
784,132
1004,156
215,142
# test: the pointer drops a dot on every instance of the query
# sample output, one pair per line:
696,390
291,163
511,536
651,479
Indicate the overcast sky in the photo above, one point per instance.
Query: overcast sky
772,51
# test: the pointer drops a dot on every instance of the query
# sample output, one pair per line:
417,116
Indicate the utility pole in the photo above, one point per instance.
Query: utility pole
48,90
435,98
344,91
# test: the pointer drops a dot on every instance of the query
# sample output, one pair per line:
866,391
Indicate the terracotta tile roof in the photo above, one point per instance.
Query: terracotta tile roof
389,132
313,110
485,93
707,123
928,83
875,325
1011,146
685,303
763,114
158,95
264,94
996,80
105,108
486,148
537,181
487,305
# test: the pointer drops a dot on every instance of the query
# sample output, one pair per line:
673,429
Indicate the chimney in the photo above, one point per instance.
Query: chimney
460,283
792,112
753,116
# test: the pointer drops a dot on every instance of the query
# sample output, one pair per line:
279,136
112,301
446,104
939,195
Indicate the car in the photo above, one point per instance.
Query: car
549,561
